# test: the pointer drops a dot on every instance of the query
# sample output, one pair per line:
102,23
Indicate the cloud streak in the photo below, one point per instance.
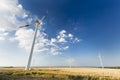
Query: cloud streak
3,35
11,14
52,46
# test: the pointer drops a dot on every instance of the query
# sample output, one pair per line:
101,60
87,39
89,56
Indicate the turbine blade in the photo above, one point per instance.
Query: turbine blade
27,25
40,21
31,24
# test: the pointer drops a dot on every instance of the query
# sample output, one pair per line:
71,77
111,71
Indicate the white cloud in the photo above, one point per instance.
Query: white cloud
62,40
53,40
62,32
66,47
70,36
12,14
43,45
77,40
3,35
62,36
2,38
24,37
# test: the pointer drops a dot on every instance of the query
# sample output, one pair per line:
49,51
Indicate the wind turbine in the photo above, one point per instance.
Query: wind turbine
37,23
70,61
100,59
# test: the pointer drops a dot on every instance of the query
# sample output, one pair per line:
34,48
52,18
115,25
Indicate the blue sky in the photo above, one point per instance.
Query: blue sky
95,23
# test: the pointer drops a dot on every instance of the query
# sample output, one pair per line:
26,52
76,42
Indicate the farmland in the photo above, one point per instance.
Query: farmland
59,74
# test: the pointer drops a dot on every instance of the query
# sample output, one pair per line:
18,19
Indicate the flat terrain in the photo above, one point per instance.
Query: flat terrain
59,74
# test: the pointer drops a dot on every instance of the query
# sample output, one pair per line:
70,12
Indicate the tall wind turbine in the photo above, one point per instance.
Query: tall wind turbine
37,23
100,59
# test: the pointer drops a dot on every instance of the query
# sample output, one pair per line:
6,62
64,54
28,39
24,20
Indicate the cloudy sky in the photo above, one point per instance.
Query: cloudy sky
73,32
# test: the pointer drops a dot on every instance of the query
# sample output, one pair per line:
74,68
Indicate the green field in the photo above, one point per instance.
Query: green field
59,74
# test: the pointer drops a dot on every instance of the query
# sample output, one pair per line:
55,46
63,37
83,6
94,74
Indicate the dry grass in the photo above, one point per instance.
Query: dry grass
94,71
60,74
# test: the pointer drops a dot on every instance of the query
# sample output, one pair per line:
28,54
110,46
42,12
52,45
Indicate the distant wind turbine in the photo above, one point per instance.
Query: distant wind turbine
37,23
100,59
70,61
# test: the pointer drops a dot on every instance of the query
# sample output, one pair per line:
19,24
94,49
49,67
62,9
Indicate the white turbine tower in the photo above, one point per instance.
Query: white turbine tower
37,23
100,59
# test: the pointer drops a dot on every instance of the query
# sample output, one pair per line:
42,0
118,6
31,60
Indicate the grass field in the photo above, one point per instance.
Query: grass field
59,74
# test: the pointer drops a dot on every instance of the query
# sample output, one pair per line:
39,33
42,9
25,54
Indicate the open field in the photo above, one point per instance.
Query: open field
59,74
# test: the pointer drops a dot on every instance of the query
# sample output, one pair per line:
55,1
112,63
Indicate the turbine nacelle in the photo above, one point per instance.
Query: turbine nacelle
37,21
